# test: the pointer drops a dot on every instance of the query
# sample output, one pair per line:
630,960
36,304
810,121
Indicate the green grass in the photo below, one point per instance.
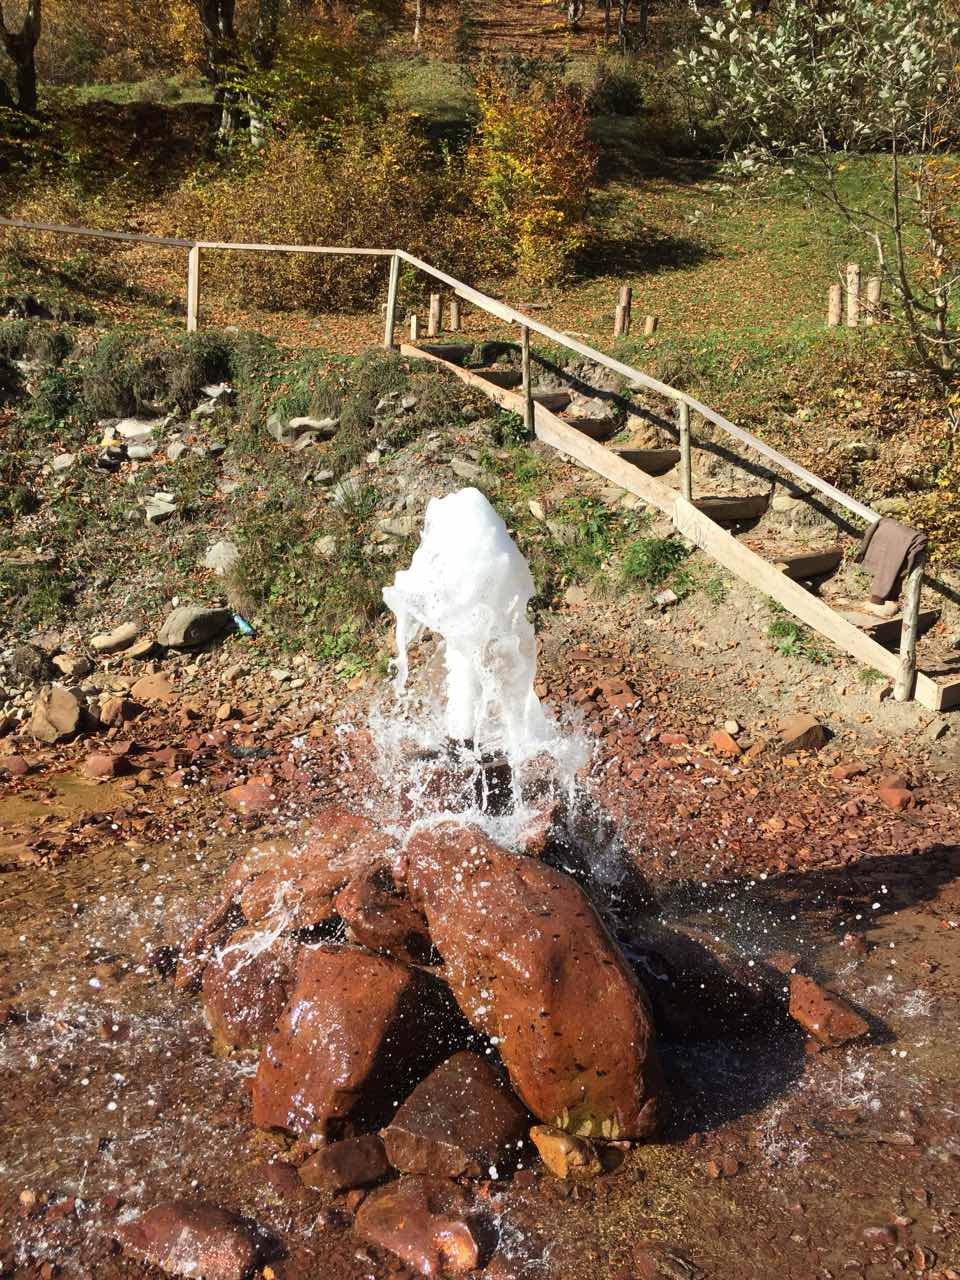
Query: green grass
649,562
793,640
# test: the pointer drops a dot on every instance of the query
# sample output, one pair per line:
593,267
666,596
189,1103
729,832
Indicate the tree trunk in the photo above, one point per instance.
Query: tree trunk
419,13
20,46
622,7
219,42
606,22
263,49
575,10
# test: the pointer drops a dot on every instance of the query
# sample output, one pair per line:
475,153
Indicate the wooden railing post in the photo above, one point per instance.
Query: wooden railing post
686,479
454,315
391,318
414,328
853,294
906,680
621,323
529,420
433,316
874,289
834,306
193,289
650,325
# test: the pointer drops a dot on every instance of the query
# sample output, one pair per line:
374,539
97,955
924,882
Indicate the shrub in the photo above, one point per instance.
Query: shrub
381,187
35,340
534,168
615,87
127,374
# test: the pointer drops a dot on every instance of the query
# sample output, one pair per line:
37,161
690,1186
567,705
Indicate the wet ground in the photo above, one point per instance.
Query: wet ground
778,1162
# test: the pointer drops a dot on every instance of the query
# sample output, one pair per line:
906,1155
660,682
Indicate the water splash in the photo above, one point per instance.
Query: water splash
470,735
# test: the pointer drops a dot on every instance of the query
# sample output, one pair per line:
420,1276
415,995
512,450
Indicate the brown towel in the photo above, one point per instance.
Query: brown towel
890,549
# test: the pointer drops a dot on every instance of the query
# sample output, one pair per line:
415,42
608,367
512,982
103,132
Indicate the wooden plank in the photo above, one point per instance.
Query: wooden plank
390,320
94,233
654,461
888,630
707,535
193,289
528,412
347,250
800,565
686,463
723,508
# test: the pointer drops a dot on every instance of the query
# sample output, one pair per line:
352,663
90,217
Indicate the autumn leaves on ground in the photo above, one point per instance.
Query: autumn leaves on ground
272,1004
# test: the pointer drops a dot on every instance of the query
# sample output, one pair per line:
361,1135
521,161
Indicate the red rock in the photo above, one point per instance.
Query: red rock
250,798
900,781
192,1239
15,766
246,985
212,931
378,917
879,1235
303,882
459,1121
155,688
674,739
724,744
529,962
823,1014
425,1222
844,772
341,1166
801,732
896,798
101,765
116,711
357,1032
564,1155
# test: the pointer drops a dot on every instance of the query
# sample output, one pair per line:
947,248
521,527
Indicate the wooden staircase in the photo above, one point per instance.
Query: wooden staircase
791,575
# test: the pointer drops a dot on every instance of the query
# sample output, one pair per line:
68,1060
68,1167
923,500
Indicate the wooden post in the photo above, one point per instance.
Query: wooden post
391,319
834,305
454,315
686,480
414,328
434,315
853,294
193,289
874,287
650,325
905,683
622,323
529,420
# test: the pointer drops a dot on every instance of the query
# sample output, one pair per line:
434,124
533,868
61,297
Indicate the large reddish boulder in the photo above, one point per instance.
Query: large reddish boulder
352,1162
246,985
460,1120
358,1031
193,1239
425,1222
532,966
379,917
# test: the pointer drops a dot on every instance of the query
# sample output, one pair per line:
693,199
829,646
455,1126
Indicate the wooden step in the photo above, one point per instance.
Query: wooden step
732,509
655,462
506,378
801,565
555,401
594,428
884,630
454,352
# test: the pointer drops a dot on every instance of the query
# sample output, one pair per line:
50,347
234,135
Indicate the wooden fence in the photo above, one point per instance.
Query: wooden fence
703,531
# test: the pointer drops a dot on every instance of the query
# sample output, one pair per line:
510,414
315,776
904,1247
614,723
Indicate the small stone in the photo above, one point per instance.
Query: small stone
250,798
341,1166
102,765
73,667
153,688
117,710
724,744
801,732
55,715
187,626
937,729
424,1221
175,450
64,461
324,428
407,403
142,649
466,470
896,798
141,452
221,557
536,509
563,1154
666,598
120,637
156,510
325,546
732,726
191,1239
844,772
879,1235
823,1014
14,766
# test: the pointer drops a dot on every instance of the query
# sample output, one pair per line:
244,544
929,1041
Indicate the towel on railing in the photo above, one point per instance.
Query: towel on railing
889,549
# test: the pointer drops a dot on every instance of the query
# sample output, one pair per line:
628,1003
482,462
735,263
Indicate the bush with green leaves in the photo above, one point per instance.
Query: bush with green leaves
844,76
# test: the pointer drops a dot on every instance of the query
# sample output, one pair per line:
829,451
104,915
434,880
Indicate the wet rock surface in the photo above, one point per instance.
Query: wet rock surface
380,918
357,1029
425,1222
191,1239
246,986
531,965
460,1121
352,1162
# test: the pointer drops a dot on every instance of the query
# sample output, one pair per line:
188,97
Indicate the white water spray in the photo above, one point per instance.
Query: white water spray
469,585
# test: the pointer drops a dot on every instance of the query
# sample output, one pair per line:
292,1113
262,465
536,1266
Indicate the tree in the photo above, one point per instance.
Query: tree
21,47
218,24
822,81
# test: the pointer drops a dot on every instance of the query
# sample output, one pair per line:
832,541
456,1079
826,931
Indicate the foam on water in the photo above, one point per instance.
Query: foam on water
469,585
